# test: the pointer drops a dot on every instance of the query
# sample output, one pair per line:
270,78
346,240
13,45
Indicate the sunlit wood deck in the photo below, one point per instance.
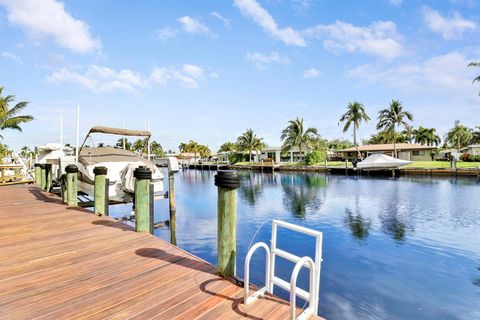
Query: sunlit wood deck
66,263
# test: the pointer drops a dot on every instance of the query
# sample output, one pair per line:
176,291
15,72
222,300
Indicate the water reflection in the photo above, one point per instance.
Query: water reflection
251,188
358,225
394,221
301,193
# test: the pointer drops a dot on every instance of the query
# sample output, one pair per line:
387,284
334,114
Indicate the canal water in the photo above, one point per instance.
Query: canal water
405,248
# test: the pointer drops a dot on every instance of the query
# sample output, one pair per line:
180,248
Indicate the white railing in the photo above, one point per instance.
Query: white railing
270,279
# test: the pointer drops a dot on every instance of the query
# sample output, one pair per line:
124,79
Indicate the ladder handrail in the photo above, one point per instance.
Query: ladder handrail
314,265
246,269
293,288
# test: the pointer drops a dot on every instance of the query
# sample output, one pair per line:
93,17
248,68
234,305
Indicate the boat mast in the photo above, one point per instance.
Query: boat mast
78,132
148,140
61,130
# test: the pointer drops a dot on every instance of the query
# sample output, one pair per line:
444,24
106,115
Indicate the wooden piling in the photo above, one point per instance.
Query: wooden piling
43,176
101,198
72,187
227,183
38,174
171,203
143,203
48,176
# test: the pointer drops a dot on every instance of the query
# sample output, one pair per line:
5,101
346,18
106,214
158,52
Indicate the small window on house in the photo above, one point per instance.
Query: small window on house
415,153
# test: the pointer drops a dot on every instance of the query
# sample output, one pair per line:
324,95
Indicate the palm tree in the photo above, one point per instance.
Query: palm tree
294,135
476,135
249,141
156,149
25,151
9,118
459,136
475,64
120,144
355,114
228,147
392,117
426,136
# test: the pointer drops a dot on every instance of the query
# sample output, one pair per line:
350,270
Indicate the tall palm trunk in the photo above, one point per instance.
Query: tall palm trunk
394,143
250,155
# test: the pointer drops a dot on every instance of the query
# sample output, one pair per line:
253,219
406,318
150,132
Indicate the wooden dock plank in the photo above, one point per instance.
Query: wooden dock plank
67,263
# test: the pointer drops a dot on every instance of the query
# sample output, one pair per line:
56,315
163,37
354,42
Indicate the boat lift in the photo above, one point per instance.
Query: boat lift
270,279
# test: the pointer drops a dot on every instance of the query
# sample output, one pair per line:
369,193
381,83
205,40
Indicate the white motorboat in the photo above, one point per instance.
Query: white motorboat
58,156
380,161
120,165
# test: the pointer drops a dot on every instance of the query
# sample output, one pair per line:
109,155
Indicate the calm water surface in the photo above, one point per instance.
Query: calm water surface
407,248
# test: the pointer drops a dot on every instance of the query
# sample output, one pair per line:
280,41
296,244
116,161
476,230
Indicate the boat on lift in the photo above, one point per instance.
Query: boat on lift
120,164
380,161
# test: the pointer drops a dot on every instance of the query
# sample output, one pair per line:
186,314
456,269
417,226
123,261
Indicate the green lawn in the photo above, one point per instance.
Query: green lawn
442,164
416,164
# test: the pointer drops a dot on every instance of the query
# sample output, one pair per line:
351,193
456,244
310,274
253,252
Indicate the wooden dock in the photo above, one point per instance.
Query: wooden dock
58,262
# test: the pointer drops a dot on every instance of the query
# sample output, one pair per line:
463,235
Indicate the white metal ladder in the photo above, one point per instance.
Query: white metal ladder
270,279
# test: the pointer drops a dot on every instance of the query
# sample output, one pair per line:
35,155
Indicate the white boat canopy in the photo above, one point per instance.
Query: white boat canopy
380,161
119,131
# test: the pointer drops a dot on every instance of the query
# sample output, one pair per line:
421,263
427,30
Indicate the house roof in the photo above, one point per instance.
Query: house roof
388,147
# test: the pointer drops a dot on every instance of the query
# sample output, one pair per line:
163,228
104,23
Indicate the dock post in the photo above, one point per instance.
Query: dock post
143,201
43,176
171,203
48,176
38,174
63,188
227,182
72,188
101,199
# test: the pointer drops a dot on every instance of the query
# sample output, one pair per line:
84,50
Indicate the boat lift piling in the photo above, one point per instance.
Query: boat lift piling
43,176
72,187
171,204
38,174
101,199
227,182
143,200
48,176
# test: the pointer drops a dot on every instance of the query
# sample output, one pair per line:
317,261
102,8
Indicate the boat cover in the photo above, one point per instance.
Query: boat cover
379,161
119,131
92,156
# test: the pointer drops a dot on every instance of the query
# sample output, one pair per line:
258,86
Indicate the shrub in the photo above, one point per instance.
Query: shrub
315,157
235,157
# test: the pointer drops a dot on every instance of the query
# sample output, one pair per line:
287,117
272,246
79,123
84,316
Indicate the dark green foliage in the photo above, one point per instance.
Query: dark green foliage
315,157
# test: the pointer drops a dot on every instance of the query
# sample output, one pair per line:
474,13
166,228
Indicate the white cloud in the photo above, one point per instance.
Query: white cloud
221,18
192,25
449,27
189,76
379,39
166,34
49,18
447,74
262,61
100,79
301,5
259,15
312,73
11,56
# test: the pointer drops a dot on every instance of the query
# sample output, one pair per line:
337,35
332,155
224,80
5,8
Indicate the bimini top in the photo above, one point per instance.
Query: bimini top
119,131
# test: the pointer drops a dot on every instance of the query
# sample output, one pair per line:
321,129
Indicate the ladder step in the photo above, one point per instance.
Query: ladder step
286,286
289,256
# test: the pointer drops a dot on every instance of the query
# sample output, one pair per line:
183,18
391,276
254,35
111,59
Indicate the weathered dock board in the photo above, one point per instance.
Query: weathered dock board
66,263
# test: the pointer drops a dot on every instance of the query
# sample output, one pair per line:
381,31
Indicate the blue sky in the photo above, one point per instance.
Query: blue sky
208,70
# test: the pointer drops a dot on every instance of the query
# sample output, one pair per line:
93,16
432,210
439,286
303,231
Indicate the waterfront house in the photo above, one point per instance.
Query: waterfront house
275,154
473,149
405,151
